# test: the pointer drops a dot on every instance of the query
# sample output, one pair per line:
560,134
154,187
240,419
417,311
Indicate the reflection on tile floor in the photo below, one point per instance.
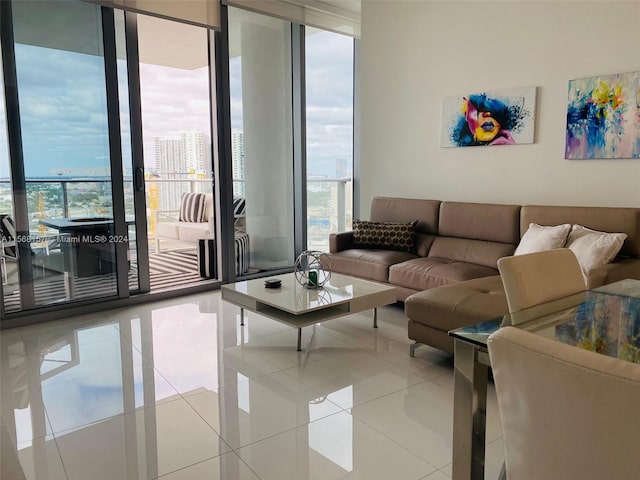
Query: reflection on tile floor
179,390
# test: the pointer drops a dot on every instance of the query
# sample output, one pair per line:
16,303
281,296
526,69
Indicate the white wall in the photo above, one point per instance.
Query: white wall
414,53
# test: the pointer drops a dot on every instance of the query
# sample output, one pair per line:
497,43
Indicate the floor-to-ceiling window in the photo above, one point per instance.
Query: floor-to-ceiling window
81,72
262,143
8,265
329,128
176,131
63,64
66,156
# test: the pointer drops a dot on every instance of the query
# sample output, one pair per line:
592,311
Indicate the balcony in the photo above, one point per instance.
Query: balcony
329,210
329,202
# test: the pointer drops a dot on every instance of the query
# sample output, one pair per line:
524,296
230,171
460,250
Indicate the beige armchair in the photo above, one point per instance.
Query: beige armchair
566,412
540,277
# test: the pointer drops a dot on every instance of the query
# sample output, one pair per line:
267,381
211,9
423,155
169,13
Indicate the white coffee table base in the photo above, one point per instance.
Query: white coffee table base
375,325
298,307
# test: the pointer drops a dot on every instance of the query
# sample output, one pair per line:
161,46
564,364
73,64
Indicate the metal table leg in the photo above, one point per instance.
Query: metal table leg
299,339
375,318
412,348
469,411
241,317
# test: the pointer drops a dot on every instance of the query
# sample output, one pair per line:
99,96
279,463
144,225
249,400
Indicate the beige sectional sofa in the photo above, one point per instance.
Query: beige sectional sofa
452,280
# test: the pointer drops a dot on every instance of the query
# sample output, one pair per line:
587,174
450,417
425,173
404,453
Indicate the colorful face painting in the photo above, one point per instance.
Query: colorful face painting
501,118
603,117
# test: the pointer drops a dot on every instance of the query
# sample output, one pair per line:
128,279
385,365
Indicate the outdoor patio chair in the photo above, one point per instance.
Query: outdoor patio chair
8,250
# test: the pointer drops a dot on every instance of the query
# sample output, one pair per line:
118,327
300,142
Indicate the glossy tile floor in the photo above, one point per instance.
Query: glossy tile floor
178,390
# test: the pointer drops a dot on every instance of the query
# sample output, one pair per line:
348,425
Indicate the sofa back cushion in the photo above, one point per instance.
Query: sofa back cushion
480,221
479,252
479,233
390,209
605,219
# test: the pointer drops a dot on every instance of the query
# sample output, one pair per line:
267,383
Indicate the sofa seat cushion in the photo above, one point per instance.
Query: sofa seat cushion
366,263
458,305
192,232
423,273
168,230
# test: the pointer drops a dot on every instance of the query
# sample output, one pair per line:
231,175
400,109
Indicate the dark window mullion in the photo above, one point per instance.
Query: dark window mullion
355,184
223,167
14,135
137,152
115,149
299,137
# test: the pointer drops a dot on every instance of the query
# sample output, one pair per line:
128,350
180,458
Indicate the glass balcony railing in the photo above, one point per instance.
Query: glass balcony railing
329,201
48,198
329,210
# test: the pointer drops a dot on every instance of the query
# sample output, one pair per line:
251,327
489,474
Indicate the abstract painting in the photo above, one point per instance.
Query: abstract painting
506,117
607,324
603,117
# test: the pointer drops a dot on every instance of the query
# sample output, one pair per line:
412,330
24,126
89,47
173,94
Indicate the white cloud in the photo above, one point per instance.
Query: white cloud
63,104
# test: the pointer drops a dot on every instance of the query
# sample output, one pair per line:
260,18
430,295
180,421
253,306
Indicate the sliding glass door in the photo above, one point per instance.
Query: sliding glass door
176,132
262,143
109,123
329,129
68,235
62,184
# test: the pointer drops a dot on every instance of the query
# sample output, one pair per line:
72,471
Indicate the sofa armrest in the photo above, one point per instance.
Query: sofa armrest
172,214
619,269
340,241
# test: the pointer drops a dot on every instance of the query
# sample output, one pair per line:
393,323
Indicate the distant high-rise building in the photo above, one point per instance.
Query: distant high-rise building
343,169
169,155
196,151
181,158
170,163
237,162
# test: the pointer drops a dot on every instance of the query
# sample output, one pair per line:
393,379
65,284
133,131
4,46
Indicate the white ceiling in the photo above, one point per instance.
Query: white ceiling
171,43
162,42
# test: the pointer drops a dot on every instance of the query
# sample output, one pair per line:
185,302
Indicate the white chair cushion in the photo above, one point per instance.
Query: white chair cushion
192,232
168,230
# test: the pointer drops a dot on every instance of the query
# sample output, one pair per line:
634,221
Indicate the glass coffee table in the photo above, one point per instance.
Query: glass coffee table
298,307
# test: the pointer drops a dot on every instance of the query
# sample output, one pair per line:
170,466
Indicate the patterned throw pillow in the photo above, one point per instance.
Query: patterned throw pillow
192,208
388,236
239,206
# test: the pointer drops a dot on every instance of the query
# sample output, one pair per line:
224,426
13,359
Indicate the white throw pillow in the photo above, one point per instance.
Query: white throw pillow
539,238
593,248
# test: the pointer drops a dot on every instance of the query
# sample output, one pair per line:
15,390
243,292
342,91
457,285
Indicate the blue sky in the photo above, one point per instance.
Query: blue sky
329,89
63,106
62,109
